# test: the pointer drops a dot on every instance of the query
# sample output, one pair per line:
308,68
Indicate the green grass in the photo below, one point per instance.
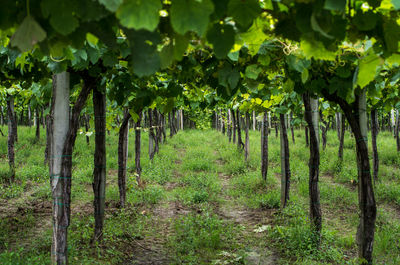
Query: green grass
201,201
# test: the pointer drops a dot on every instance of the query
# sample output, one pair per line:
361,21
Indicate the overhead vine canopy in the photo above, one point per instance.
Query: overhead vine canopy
158,32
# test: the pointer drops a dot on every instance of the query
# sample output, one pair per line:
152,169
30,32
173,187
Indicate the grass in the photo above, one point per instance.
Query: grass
201,204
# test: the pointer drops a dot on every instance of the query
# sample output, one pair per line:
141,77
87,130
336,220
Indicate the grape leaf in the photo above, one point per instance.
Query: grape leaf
228,77
253,37
252,71
316,49
28,34
365,21
61,14
191,15
145,58
396,4
392,35
111,5
222,37
139,14
244,11
336,5
174,50
367,69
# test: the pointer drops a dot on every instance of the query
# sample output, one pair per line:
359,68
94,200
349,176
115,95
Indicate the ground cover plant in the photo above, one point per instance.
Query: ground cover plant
218,214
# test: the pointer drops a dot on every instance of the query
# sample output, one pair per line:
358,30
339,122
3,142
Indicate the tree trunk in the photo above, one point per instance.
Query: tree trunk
15,125
233,126
86,121
324,127
342,133
276,130
396,131
374,134
285,166
357,118
152,137
162,124
291,127
181,116
393,122
339,118
59,114
122,149
99,171
61,174
239,131
254,120
264,148
42,119
37,126
29,115
247,144
49,136
11,136
307,137
157,137
2,115
311,117
138,168
229,126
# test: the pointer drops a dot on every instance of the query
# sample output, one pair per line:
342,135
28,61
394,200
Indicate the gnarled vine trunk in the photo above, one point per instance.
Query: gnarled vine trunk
374,135
138,167
247,144
311,117
11,136
239,131
285,165
357,118
264,147
99,171
62,145
122,150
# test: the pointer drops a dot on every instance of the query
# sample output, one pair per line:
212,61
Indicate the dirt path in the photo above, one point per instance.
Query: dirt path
249,219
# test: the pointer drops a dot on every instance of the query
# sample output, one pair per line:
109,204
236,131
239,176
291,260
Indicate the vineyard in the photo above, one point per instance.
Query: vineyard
199,132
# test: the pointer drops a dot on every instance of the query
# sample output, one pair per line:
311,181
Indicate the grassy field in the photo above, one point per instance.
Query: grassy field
201,204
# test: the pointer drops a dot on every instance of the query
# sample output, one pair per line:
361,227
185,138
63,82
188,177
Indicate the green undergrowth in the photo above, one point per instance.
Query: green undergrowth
196,180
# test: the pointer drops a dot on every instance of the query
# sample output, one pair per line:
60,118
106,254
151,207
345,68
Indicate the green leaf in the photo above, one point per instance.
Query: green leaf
393,59
315,26
315,49
244,11
174,50
335,5
145,58
396,4
28,34
367,69
392,35
228,77
222,37
304,75
61,14
139,14
365,21
92,39
264,59
252,71
57,49
111,5
254,37
191,15
234,56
